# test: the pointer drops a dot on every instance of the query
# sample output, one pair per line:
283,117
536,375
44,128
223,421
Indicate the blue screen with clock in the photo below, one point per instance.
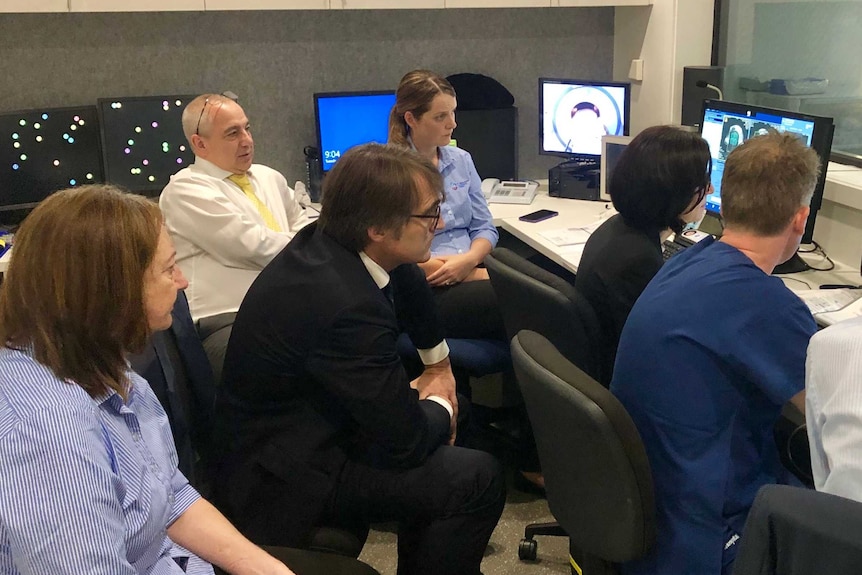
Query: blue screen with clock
347,119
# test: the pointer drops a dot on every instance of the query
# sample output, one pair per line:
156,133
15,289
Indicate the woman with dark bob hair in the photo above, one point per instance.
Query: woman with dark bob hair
659,185
87,464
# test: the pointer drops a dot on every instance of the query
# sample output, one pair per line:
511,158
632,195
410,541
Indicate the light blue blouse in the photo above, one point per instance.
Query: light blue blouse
86,486
465,212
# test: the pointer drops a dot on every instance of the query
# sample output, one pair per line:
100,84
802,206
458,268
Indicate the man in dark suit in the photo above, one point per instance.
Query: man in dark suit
318,420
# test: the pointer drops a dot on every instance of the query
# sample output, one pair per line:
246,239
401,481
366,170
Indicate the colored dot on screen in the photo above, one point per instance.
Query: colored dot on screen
127,151
81,122
73,127
38,138
44,116
152,178
16,145
76,118
182,148
37,125
22,122
137,129
146,162
165,107
73,181
155,124
15,166
65,136
23,157
71,140
15,136
178,103
165,103
89,176
131,142
179,160
56,162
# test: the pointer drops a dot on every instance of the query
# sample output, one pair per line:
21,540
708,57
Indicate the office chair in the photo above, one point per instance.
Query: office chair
535,299
597,475
795,531
182,371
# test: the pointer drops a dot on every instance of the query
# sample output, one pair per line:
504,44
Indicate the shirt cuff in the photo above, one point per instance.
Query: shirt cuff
435,354
491,235
445,403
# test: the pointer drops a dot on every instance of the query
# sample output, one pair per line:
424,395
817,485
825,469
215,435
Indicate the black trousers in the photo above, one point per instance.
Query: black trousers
313,563
469,310
446,509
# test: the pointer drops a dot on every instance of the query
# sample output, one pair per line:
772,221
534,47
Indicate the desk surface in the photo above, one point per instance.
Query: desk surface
578,213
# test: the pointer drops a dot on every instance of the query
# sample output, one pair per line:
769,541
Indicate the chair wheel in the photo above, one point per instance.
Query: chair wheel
527,550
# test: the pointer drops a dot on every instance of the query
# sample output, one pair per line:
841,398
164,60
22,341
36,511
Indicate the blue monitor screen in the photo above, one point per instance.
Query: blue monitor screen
575,114
143,141
45,150
347,119
725,128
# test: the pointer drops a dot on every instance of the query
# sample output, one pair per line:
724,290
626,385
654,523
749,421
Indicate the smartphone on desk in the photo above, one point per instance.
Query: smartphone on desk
538,216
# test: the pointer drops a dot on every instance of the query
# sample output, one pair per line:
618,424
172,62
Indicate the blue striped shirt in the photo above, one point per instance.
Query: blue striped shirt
465,213
86,486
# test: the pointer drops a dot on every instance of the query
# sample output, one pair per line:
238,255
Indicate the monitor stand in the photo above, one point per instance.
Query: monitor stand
794,265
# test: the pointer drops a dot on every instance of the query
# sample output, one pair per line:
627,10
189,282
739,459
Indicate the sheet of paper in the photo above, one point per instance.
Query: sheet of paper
566,236
828,300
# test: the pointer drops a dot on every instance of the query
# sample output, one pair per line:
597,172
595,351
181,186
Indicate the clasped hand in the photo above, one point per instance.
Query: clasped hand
453,269
437,379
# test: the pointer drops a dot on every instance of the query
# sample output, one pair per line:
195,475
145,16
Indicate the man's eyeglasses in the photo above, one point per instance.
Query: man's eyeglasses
434,218
227,94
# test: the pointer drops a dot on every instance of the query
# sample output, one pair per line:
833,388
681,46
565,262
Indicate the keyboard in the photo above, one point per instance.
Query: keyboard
670,248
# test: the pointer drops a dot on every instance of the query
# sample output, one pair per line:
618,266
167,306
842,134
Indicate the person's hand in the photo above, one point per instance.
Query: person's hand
455,269
437,379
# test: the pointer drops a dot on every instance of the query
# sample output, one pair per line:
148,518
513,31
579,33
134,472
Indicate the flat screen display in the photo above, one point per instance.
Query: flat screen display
347,119
45,150
726,125
575,114
143,141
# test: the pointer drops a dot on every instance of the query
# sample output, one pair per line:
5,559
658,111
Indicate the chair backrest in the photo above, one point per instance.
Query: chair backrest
214,332
597,475
537,300
176,367
795,531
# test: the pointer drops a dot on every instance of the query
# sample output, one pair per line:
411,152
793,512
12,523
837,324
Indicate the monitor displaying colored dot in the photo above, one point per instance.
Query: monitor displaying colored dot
141,141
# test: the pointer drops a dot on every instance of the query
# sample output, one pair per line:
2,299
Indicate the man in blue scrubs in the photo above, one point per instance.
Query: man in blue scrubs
711,351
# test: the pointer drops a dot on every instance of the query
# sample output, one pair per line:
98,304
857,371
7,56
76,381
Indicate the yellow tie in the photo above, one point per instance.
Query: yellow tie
244,184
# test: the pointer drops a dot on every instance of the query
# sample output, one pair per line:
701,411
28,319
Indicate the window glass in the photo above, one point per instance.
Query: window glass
803,55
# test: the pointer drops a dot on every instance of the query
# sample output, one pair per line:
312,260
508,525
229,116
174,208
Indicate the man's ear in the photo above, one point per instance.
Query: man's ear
800,219
376,235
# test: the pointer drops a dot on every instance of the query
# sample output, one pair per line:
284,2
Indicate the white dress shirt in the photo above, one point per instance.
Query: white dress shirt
221,239
833,408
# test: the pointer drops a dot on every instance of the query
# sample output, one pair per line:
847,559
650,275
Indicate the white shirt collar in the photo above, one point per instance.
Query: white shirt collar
211,169
377,273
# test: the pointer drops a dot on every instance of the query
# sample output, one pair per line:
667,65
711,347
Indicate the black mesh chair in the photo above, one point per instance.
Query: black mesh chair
597,475
795,531
535,299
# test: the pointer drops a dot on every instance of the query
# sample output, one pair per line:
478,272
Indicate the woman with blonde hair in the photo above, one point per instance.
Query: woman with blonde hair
423,118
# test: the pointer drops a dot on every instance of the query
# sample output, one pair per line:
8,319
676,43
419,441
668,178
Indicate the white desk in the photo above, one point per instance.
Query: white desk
578,213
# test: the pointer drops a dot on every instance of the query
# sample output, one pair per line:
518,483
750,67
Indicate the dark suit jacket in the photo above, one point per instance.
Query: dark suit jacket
176,367
312,377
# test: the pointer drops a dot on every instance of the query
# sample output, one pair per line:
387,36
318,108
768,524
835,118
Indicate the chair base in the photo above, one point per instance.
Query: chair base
528,548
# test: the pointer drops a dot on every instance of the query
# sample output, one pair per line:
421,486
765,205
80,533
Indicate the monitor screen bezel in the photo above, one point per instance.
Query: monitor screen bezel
97,179
149,191
604,192
326,95
821,143
627,101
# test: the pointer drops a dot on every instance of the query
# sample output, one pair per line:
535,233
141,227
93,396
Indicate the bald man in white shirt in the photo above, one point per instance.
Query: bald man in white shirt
226,228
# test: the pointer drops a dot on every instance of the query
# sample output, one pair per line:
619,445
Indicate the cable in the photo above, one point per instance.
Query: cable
803,282
817,249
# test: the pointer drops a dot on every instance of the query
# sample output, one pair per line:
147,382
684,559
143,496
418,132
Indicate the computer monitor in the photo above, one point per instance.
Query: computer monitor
45,150
347,119
575,114
143,141
612,149
726,125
